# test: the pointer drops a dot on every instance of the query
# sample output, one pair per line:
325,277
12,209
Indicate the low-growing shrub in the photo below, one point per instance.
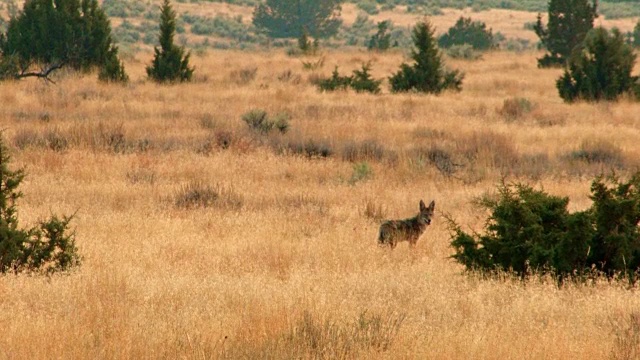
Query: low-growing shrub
466,31
532,232
46,248
361,171
200,195
515,108
370,150
244,76
599,152
464,52
360,81
259,121
335,82
311,148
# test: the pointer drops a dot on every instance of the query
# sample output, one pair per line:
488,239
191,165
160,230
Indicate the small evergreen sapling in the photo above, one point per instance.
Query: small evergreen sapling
428,73
170,63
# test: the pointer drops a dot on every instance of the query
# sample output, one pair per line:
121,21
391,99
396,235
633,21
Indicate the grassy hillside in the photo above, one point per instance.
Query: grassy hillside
281,259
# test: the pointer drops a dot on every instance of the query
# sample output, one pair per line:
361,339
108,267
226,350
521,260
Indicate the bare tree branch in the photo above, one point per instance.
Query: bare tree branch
43,73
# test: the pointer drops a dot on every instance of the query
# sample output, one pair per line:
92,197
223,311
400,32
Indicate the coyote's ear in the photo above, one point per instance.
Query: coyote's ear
422,206
432,205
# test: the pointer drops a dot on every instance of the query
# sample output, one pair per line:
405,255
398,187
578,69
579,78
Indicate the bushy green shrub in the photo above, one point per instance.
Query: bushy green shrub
427,74
49,247
50,35
466,31
600,69
360,81
530,231
569,21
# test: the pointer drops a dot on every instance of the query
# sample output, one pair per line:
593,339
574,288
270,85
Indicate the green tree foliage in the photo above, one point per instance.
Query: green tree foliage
381,40
530,231
569,23
360,81
466,31
636,35
427,74
290,18
600,69
48,247
48,35
170,63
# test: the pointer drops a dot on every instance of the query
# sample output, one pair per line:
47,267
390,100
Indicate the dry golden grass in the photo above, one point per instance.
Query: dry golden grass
284,263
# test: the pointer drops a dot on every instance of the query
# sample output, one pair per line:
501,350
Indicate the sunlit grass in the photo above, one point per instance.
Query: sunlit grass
287,265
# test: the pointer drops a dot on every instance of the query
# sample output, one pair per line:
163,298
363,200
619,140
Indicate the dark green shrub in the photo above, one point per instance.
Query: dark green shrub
288,18
600,69
50,35
361,81
46,248
306,46
170,63
427,73
466,31
530,231
335,82
569,23
381,40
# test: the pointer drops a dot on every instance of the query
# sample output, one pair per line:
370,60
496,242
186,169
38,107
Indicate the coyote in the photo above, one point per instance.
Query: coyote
393,231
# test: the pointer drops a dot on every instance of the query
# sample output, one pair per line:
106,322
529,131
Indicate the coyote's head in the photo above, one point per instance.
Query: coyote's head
424,217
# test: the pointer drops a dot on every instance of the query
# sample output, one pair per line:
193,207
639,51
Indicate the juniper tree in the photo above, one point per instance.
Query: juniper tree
170,63
381,40
48,35
466,31
428,73
48,247
290,18
569,23
599,69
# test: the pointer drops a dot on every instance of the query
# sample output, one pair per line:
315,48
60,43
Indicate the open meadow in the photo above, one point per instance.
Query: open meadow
202,238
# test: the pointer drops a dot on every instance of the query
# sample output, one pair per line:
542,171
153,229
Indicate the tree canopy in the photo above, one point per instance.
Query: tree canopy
291,18
428,73
170,63
51,34
599,69
569,23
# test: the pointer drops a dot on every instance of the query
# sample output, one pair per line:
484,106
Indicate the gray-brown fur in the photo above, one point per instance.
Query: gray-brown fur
394,231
